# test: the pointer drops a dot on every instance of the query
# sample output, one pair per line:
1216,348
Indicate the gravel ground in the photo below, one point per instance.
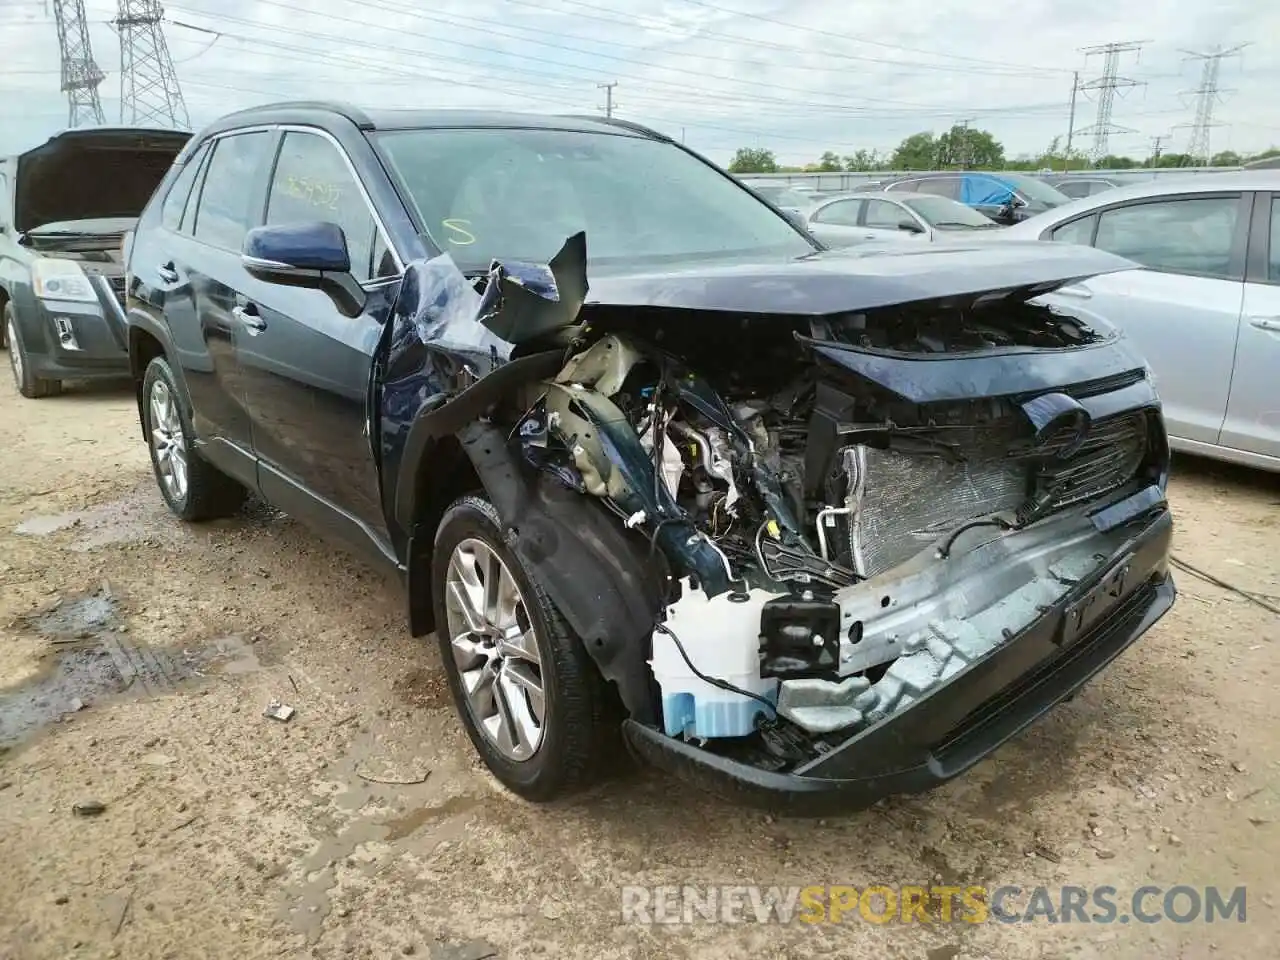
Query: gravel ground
364,826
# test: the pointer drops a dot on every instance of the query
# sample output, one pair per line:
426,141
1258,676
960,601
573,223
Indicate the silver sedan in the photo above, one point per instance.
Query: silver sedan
858,218
1204,304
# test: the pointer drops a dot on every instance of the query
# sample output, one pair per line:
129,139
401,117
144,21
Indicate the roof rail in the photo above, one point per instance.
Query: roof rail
352,113
625,124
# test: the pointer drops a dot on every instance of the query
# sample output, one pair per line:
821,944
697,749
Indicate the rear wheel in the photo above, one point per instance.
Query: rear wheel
192,487
528,694
28,384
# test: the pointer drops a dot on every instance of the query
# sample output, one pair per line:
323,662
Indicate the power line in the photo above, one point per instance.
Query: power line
1107,85
658,23
80,72
1207,96
663,90
149,90
1005,67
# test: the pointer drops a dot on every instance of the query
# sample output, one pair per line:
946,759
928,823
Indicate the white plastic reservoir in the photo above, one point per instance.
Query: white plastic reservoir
722,638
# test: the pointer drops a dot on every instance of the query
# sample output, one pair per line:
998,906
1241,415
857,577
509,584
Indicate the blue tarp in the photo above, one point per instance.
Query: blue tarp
984,189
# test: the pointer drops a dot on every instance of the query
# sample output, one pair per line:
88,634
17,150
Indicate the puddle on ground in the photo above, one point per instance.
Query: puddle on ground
77,618
367,824
400,827
89,659
140,516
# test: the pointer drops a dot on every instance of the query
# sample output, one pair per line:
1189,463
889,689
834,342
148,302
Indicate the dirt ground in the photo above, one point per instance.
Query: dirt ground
227,834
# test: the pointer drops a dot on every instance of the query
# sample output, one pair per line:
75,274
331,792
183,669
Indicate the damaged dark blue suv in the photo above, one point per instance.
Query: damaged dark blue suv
804,527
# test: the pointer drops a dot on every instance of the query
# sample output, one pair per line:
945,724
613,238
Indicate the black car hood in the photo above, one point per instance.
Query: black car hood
92,173
853,279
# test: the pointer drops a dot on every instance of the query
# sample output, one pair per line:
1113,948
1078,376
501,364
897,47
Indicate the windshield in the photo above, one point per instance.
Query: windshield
939,211
782,196
1037,191
486,194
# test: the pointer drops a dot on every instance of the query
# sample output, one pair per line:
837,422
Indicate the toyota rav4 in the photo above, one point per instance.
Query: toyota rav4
805,527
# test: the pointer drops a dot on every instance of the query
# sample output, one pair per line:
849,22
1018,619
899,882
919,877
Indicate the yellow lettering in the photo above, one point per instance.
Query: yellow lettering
890,904
813,908
465,237
843,899
975,901
945,897
914,905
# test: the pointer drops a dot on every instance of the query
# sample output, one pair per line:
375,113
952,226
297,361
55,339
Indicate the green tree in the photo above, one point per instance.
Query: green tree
1264,155
753,160
917,152
968,147
1176,160
863,160
829,162
1115,162
1227,158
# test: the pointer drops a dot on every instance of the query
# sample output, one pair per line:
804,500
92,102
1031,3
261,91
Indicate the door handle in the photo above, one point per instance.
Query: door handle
248,315
1266,323
167,272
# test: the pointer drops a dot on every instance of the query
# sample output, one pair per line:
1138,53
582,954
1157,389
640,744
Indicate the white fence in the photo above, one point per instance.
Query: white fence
844,181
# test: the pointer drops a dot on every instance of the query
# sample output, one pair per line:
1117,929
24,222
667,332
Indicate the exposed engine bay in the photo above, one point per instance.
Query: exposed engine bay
774,530
809,522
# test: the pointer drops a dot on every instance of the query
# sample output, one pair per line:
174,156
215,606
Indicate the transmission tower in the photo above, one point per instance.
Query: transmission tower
80,72
1107,85
1207,96
149,91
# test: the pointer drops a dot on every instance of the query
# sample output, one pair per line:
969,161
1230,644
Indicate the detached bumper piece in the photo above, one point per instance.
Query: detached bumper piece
963,721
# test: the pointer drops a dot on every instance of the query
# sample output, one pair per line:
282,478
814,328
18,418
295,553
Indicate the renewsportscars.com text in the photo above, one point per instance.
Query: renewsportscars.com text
883,904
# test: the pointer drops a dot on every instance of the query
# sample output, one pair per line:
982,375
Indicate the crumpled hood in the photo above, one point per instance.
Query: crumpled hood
857,278
92,173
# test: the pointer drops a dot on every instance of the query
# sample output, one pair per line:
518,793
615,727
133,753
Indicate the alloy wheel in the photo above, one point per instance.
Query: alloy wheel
168,441
496,650
15,355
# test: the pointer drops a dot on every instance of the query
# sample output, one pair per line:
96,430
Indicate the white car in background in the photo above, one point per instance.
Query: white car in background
787,198
1205,306
858,218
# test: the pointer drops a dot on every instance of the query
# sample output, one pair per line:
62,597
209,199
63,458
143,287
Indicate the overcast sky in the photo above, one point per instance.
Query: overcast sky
796,76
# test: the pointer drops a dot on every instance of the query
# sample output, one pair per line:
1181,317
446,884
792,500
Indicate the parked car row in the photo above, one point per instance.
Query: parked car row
844,220
1205,306
648,459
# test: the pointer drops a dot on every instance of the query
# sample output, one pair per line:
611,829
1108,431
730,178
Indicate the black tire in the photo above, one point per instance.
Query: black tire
210,493
29,385
574,728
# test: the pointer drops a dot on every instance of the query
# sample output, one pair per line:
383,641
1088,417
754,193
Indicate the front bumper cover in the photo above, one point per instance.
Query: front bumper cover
963,721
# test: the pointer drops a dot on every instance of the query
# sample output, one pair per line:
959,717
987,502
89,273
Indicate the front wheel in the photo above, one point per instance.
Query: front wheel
528,694
28,384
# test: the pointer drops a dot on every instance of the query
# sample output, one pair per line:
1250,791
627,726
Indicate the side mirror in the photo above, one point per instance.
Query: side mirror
311,255
797,219
909,226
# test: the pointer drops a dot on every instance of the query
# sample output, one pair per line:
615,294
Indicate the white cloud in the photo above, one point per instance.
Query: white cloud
724,79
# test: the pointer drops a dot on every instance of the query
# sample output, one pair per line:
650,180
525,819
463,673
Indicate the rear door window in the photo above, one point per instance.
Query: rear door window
940,187
885,215
842,212
230,192
313,182
1076,231
1192,235
175,201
